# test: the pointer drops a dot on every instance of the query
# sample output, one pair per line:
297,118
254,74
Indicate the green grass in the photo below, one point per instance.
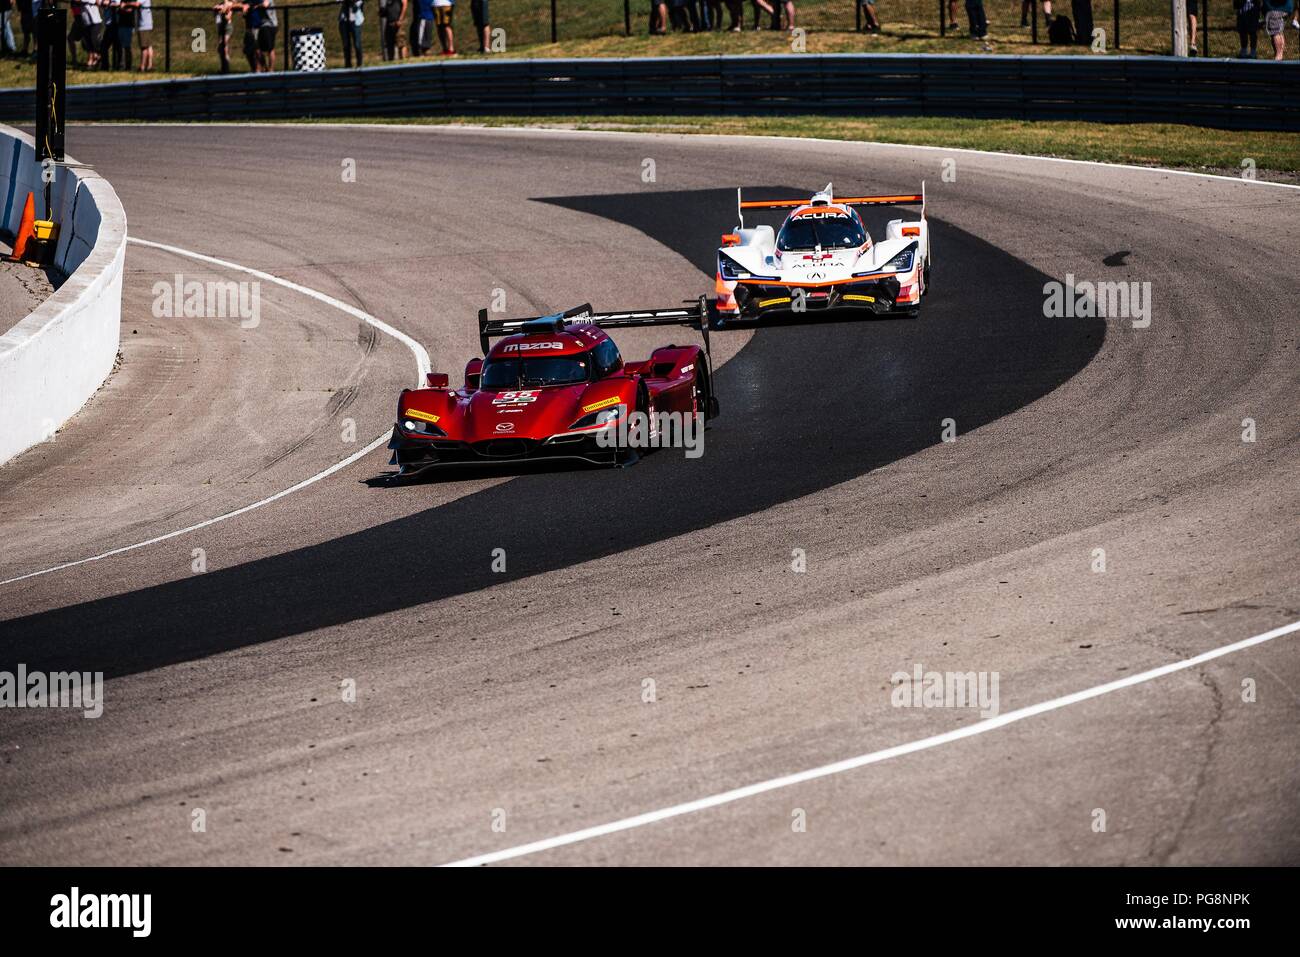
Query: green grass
595,28
1276,155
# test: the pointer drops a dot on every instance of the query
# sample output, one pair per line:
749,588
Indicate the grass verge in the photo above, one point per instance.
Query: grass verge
1276,156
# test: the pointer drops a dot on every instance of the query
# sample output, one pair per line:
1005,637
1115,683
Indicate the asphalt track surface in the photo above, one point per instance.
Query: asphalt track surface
518,697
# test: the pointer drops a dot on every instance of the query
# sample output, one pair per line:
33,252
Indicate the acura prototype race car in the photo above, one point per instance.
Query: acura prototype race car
821,258
554,388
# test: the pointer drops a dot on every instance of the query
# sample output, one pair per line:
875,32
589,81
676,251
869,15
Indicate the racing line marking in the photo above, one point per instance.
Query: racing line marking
422,366
875,757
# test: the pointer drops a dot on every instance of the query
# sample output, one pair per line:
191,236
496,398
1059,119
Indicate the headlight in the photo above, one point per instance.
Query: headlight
600,417
902,262
730,269
419,427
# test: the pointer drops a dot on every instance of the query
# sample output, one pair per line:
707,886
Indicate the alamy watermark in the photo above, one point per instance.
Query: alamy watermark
208,299
1102,300
56,689
655,430
946,689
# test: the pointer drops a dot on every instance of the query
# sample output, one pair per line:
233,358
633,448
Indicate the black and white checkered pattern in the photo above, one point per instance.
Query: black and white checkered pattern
308,49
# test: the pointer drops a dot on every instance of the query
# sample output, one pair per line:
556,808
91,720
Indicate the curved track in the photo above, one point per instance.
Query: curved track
480,692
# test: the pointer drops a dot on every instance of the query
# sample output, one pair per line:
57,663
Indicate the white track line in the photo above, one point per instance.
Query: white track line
421,362
875,757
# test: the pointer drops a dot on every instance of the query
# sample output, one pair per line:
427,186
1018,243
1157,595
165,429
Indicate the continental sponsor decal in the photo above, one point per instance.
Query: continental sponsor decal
602,404
417,414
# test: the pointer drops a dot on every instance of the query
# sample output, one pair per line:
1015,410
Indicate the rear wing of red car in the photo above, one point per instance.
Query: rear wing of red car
695,315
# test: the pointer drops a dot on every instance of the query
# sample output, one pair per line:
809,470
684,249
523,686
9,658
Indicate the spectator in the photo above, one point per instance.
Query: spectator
252,26
1247,27
7,42
658,17
27,19
110,55
870,22
1191,27
443,11
979,24
260,26
223,13
764,6
91,34
678,16
736,10
1025,7
1275,12
478,9
789,16
392,13
144,33
422,28
699,10
126,19
711,11
351,17
266,36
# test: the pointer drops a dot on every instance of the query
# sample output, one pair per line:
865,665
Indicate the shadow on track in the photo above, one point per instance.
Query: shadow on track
805,406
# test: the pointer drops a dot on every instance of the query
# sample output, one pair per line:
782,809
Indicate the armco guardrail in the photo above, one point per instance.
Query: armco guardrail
55,359
1253,95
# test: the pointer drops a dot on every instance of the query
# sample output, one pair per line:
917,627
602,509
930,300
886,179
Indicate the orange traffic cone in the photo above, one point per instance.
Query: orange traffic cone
26,230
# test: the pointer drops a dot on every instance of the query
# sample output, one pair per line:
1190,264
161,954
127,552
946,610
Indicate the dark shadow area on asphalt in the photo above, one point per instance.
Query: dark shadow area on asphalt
804,406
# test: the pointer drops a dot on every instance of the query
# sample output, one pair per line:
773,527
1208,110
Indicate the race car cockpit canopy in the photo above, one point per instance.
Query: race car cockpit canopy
823,227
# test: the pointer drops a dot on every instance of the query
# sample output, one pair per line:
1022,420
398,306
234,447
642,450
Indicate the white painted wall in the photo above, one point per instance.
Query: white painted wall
55,359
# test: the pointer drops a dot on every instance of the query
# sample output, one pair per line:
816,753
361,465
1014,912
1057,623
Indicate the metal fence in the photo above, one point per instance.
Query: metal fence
1217,93
186,38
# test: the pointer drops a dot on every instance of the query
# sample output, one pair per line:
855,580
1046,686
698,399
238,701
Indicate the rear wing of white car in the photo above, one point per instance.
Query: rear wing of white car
827,196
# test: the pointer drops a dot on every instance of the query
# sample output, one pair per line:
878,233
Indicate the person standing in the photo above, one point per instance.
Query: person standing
1027,5
1275,12
110,55
91,33
392,13
979,24
126,19
478,9
443,11
260,25
870,22
7,42
351,17
144,33
27,20
223,12
422,28
1247,27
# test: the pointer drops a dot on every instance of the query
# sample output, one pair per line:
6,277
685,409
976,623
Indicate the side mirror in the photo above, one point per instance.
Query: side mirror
473,369
436,380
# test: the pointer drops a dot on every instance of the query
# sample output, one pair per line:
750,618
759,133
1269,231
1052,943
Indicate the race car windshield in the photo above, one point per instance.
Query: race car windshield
520,373
803,233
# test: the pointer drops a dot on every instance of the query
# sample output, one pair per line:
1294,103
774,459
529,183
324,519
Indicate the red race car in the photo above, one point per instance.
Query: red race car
556,388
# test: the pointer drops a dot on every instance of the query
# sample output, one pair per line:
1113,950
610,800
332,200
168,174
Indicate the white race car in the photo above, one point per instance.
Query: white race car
823,258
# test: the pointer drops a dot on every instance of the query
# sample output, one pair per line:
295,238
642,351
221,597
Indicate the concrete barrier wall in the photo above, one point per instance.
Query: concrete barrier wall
55,359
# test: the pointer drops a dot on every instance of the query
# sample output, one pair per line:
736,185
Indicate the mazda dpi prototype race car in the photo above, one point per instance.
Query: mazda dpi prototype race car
823,258
550,387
